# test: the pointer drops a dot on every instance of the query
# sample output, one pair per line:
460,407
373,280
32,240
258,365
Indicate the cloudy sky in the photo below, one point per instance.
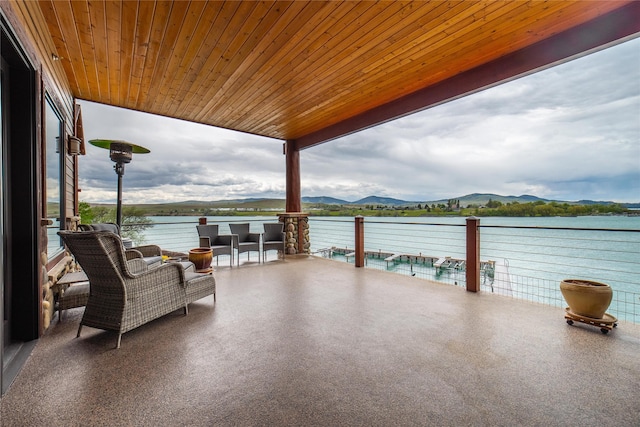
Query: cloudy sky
568,133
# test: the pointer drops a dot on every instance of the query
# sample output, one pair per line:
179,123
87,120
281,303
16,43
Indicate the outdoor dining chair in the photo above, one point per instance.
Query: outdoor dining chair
244,240
220,244
273,238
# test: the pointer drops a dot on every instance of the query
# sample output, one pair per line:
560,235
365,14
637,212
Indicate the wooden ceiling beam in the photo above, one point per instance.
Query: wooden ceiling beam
611,28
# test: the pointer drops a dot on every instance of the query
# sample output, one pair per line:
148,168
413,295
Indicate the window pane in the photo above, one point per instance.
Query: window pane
55,148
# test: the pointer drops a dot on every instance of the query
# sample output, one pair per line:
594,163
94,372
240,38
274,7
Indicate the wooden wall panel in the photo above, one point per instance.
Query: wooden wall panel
52,71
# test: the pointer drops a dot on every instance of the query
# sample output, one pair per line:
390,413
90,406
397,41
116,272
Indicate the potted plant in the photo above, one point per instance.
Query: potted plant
587,297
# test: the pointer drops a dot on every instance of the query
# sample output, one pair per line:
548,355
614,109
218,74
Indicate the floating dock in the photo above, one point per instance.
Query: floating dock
438,265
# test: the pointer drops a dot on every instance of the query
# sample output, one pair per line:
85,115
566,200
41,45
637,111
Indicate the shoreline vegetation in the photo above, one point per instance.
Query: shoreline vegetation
271,207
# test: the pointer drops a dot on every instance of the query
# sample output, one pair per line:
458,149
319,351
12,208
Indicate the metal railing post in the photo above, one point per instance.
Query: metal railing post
473,254
359,241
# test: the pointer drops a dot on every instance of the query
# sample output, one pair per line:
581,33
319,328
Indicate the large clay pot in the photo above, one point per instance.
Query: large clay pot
586,297
201,258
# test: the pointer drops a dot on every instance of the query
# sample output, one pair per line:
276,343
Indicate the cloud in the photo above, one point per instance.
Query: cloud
570,132
187,160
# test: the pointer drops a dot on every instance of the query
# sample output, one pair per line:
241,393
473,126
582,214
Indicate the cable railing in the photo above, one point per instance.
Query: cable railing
533,260
523,262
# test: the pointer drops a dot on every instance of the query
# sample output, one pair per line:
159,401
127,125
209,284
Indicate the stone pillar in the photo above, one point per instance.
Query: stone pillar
296,227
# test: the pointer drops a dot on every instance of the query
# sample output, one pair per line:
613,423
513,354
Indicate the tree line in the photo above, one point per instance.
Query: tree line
492,208
540,208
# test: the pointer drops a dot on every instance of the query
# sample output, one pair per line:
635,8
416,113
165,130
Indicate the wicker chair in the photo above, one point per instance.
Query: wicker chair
244,241
273,238
125,294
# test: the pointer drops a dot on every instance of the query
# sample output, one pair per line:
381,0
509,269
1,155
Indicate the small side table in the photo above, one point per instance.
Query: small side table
76,293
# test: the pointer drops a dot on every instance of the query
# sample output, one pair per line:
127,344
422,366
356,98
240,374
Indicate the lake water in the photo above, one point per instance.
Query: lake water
536,259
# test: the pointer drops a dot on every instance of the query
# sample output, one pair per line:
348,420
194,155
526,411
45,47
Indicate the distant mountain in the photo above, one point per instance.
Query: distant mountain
375,200
470,199
478,199
324,200
371,200
596,202
210,202
481,199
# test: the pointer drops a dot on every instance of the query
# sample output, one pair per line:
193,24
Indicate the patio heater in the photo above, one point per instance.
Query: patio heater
121,152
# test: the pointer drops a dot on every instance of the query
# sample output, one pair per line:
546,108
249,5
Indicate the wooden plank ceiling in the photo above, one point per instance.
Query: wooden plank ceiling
287,69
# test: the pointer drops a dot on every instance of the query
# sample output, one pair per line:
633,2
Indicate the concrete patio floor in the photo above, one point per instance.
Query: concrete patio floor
310,341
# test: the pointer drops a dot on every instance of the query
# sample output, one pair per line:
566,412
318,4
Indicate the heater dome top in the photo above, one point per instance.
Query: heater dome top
106,143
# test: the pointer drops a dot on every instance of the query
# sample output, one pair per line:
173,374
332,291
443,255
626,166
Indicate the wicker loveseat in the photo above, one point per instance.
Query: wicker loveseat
125,294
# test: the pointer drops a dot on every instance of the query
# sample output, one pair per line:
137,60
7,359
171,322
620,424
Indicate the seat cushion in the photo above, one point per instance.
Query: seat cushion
221,249
153,261
245,245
